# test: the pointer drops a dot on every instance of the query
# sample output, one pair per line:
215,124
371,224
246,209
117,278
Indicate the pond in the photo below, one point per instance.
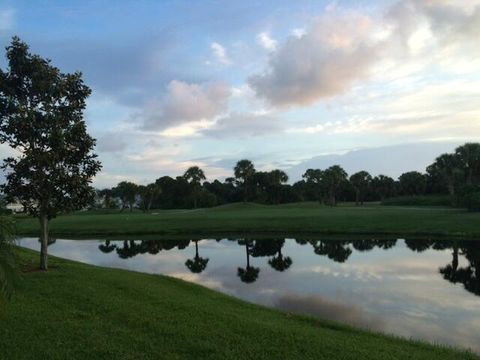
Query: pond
418,289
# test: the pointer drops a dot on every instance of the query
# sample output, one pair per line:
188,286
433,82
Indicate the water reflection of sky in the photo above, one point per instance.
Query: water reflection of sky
397,291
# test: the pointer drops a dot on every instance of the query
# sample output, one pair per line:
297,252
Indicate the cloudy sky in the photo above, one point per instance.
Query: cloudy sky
178,83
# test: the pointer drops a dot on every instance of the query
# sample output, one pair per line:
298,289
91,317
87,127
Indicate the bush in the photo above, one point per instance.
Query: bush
468,196
472,201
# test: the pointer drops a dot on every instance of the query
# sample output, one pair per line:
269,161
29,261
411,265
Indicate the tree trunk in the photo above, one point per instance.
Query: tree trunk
44,242
357,197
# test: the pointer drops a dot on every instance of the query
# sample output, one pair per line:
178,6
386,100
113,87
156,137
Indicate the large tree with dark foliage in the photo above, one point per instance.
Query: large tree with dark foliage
244,172
194,175
412,183
332,179
41,116
361,182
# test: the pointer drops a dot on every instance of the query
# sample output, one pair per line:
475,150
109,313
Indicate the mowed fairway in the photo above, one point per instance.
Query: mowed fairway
298,218
78,311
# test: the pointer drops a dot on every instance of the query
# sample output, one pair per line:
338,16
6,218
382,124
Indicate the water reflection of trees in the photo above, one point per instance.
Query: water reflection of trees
197,264
469,275
336,250
248,274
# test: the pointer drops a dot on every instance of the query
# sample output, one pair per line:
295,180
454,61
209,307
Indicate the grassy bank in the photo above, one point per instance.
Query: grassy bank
78,311
299,218
425,200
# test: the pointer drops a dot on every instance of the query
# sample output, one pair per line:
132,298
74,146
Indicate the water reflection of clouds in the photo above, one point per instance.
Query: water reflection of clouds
324,308
394,290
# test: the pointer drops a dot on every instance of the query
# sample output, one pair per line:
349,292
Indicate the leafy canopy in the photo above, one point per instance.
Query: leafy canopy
41,116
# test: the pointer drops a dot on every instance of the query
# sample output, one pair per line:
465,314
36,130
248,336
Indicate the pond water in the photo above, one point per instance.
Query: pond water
419,289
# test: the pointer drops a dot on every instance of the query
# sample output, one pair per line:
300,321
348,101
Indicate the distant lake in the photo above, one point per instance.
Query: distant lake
419,289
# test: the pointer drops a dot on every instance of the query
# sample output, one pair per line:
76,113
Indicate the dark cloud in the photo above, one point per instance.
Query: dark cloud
111,142
323,308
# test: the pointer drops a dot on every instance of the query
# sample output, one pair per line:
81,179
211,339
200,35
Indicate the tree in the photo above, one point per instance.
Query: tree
197,264
7,260
127,192
244,171
107,195
249,274
469,158
332,179
277,179
361,182
147,195
447,168
41,116
313,180
383,186
280,262
412,183
107,247
194,175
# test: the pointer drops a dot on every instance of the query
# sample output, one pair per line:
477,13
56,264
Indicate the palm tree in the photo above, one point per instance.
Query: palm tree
279,262
313,179
244,171
7,259
446,166
332,179
197,264
469,276
277,178
338,251
383,186
148,194
469,157
194,175
249,274
107,247
361,182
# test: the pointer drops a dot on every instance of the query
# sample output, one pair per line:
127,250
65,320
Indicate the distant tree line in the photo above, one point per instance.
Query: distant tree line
456,174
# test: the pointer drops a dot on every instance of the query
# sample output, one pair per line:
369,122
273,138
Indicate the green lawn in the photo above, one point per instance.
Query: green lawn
78,311
298,218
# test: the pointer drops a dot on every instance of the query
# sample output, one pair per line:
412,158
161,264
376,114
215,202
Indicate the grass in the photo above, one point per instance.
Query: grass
79,311
426,200
299,218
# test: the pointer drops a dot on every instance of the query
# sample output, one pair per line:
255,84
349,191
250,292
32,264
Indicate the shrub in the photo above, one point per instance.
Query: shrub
472,201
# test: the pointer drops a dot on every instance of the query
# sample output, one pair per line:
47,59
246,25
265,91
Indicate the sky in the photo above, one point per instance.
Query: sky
286,84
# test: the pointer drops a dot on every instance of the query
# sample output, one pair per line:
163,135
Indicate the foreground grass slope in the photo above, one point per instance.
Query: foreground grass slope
78,311
253,218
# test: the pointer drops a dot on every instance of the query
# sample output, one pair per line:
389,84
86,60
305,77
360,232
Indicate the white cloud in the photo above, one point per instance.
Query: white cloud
344,48
220,53
325,61
266,41
185,103
298,32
